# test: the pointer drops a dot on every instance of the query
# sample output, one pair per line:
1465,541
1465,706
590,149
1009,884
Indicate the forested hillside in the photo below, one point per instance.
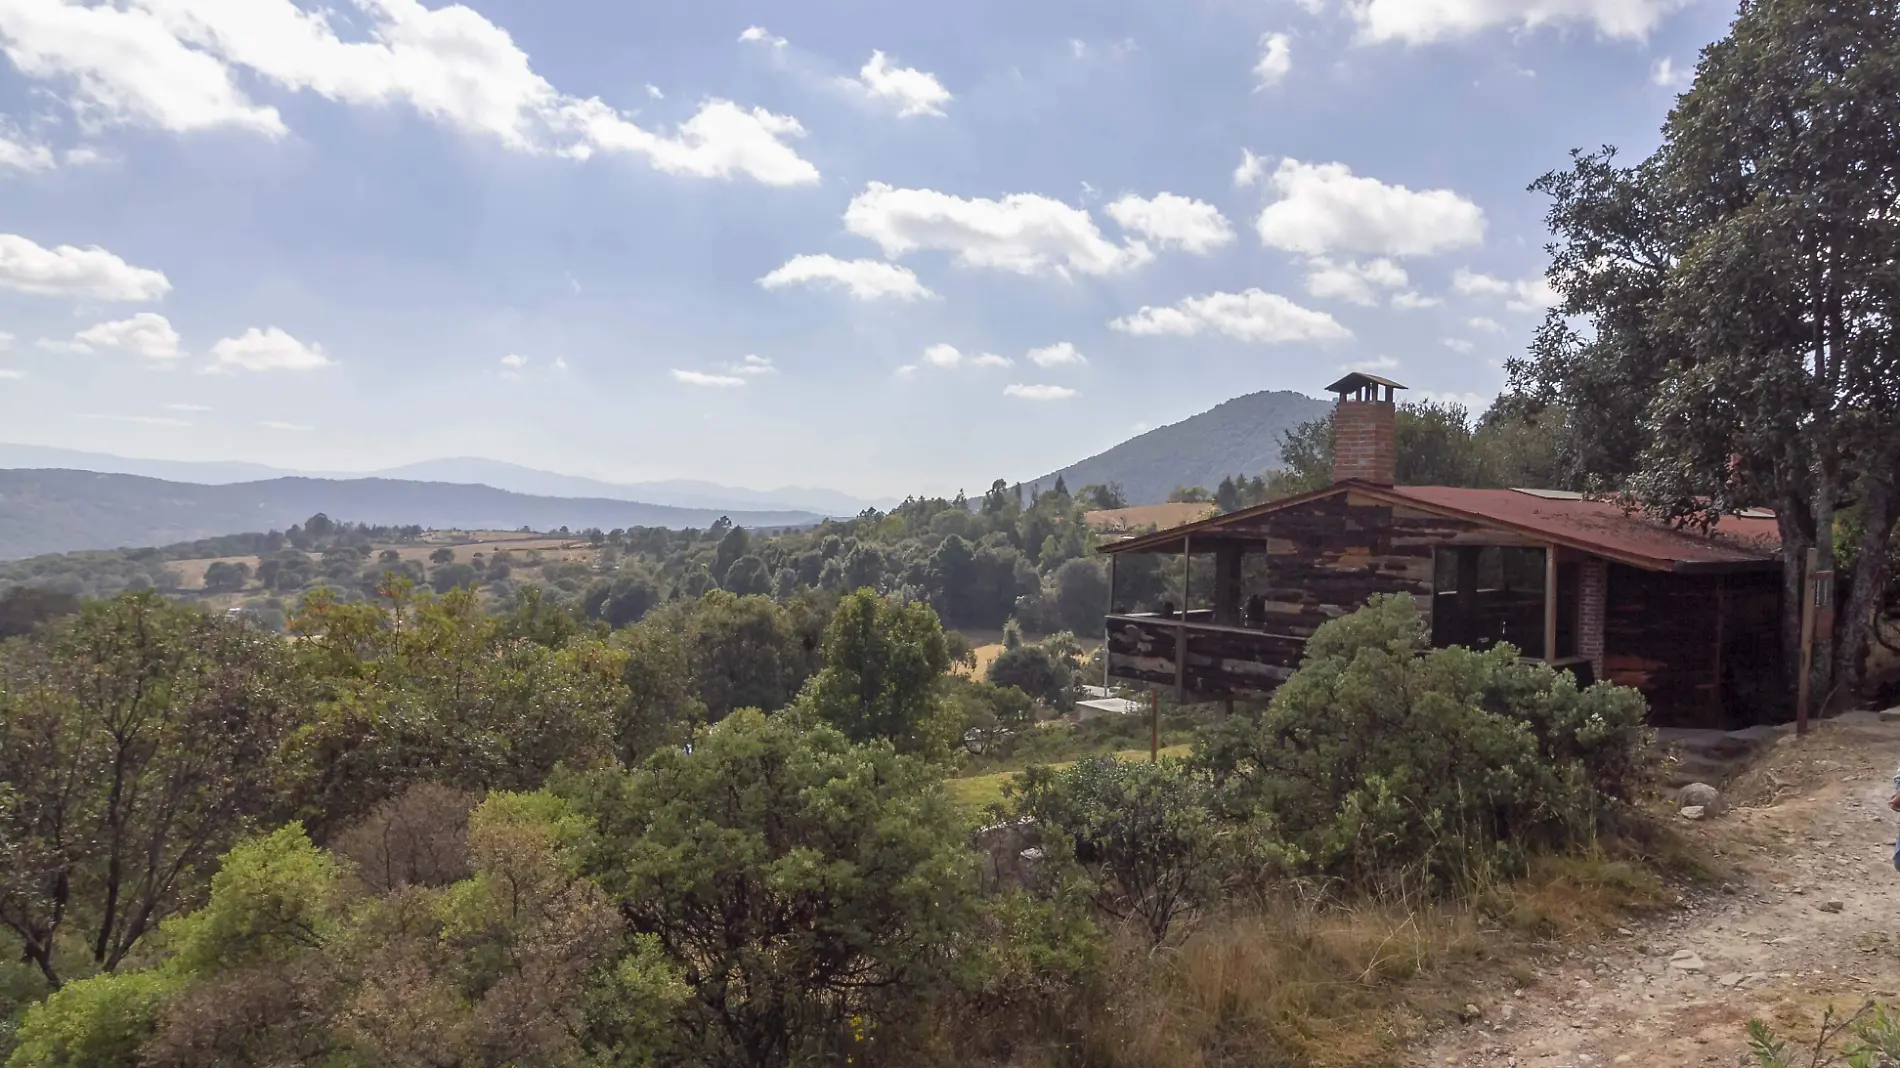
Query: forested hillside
1238,437
45,511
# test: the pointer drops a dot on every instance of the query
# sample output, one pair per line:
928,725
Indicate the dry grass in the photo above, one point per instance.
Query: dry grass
1147,516
1302,979
464,544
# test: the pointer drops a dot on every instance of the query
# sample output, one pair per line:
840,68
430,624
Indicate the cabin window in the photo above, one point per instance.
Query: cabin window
1483,595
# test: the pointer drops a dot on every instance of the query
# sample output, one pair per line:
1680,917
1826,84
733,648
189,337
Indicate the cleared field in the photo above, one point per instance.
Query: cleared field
464,544
1143,517
978,791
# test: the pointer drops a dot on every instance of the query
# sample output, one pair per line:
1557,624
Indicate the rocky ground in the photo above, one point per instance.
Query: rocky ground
1807,916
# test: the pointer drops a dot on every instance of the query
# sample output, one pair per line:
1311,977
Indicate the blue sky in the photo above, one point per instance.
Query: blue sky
886,248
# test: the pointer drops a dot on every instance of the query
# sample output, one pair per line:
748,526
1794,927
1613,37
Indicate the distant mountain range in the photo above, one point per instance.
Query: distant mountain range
48,511
1238,437
469,471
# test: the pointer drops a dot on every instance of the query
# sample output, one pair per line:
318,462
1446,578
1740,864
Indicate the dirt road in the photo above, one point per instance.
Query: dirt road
1809,916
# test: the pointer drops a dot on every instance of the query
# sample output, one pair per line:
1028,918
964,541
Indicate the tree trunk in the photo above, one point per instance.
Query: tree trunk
1880,509
1795,539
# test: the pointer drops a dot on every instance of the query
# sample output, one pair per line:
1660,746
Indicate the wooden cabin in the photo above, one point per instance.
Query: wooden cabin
1583,584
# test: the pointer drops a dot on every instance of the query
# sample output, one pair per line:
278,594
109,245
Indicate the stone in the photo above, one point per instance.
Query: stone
1732,979
1830,906
1687,961
1700,795
1693,812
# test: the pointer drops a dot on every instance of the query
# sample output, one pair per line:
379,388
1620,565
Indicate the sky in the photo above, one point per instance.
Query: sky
884,248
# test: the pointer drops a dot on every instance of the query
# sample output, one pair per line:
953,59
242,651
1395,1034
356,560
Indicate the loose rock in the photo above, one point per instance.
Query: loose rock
1693,812
1700,795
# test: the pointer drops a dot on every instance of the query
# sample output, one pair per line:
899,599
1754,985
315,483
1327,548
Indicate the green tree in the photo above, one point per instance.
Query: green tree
443,555
747,577
224,576
735,544
797,881
1035,671
884,663
138,739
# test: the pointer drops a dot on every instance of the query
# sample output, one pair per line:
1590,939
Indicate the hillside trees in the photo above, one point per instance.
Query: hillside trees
138,740
1740,296
884,663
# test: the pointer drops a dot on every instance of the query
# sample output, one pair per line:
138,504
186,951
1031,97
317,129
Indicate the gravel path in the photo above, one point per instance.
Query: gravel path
1811,917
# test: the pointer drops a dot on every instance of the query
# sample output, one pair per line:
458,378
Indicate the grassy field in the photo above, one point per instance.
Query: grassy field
978,791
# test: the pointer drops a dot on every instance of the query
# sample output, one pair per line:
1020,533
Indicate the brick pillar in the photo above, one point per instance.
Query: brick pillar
1593,594
1365,445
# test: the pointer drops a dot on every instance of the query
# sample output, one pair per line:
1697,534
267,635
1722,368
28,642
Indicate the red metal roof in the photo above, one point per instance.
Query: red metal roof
1603,528
1606,528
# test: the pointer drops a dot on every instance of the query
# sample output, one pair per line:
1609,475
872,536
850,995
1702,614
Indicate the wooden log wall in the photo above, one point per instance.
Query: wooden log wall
1221,661
1328,557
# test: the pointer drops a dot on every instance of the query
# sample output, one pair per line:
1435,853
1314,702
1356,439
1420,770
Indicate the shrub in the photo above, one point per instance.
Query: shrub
1382,757
810,890
1142,832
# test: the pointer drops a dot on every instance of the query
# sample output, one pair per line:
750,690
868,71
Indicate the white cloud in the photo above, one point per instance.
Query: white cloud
6,341
1172,221
863,279
19,154
146,335
1355,283
653,91
278,424
721,140
514,362
942,356
1424,21
753,366
701,378
1326,209
269,349
67,271
1038,393
172,64
148,420
1523,295
188,407
1489,326
911,92
125,64
761,35
1376,365
1458,344
990,359
1023,232
560,363
1411,301
1252,168
8,372
1665,74
1276,60
1060,354
1253,315
1473,403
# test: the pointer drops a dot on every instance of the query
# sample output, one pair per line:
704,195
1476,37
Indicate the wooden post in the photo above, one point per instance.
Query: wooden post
1107,632
1807,642
1550,604
1154,725
1181,634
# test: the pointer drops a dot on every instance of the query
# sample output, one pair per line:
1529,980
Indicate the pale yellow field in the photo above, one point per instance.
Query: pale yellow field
979,790
465,544
1147,516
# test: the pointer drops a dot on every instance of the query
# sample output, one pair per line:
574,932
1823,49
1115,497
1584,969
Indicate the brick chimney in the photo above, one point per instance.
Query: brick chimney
1365,429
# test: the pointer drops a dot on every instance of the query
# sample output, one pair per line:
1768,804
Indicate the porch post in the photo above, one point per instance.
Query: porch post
1550,604
1108,633
1180,624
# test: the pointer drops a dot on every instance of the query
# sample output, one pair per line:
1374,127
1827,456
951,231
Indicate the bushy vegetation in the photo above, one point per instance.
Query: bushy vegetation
416,832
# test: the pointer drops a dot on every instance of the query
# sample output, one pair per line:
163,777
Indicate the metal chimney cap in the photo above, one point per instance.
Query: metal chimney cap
1359,380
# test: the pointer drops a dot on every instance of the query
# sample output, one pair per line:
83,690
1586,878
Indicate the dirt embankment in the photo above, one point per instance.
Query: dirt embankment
1807,915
